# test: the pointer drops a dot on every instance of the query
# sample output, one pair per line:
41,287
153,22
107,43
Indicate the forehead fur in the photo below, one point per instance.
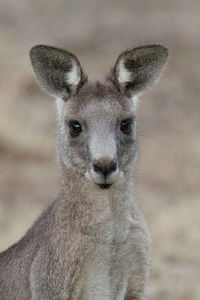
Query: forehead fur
98,100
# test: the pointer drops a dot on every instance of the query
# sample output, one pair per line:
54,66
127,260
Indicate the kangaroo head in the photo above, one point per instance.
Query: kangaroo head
97,125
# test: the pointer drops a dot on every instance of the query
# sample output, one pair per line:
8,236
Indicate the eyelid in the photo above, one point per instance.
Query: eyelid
70,122
70,119
129,120
127,116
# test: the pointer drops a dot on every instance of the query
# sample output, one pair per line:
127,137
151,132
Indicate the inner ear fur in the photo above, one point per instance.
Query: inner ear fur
58,71
139,68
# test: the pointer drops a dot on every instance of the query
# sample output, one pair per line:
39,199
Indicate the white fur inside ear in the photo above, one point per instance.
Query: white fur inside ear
134,103
73,76
123,73
59,106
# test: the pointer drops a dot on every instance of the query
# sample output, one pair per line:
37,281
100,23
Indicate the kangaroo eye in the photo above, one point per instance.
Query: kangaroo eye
75,128
126,126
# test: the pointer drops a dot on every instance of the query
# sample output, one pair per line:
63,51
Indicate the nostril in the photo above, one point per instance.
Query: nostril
97,168
113,167
104,167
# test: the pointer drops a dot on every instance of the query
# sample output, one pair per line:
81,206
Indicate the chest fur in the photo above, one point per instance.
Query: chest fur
105,271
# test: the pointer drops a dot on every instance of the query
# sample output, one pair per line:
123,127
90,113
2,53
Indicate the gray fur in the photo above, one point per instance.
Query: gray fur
143,64
91,243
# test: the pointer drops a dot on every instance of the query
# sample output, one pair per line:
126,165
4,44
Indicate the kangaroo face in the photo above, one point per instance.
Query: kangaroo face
97,127
99,132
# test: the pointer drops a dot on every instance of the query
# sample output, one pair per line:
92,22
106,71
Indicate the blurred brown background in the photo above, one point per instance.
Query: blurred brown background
167,179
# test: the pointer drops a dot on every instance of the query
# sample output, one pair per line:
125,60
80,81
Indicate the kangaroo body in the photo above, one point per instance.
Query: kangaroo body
90,246
92,242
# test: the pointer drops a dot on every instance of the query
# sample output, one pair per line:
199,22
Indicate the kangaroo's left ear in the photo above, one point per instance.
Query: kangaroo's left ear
58,71
138,68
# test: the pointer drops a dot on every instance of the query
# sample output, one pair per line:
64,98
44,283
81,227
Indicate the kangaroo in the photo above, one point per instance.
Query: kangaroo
91,243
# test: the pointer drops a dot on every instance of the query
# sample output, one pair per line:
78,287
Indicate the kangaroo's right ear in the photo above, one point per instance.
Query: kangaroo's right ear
58,71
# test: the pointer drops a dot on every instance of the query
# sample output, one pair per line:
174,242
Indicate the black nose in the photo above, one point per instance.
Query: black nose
105,166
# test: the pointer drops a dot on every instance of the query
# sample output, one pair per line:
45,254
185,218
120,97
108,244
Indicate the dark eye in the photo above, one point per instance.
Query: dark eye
126,126
75,128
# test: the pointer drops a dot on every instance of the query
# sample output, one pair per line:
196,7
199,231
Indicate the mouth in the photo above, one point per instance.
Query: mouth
104,186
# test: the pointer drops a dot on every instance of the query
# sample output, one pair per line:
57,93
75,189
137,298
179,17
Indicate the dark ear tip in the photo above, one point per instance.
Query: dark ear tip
156,50
36,49
40,49
161,51
156,47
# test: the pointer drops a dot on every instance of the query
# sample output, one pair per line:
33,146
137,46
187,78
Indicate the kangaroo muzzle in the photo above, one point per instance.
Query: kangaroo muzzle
104,168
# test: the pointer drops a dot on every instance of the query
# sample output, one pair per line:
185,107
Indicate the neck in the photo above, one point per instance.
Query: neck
90,206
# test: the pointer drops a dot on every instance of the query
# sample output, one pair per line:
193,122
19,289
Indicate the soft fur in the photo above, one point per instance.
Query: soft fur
92,242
